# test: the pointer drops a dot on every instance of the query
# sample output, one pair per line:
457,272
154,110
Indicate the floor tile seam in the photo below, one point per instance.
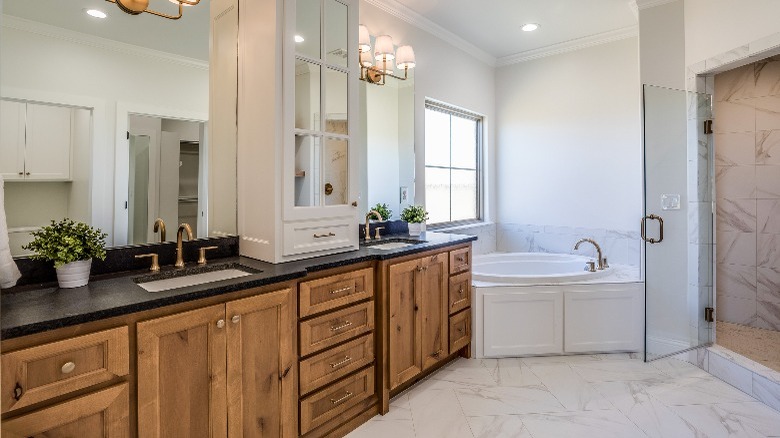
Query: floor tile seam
463,413
518,416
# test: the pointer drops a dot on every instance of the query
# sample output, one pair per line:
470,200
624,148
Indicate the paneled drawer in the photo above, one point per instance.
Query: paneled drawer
330,329
460,260
333,364
306,237
460,292
333,400
335,291
460,330
45,371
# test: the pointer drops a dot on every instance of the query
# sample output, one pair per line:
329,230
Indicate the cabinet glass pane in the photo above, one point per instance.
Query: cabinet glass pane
336,50
307,95
307,28
334,172
336,102
307,170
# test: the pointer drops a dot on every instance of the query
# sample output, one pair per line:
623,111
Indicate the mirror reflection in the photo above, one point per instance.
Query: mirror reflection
106,121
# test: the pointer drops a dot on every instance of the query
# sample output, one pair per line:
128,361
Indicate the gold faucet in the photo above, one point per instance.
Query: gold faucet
598,250
159,225
179,252
377,215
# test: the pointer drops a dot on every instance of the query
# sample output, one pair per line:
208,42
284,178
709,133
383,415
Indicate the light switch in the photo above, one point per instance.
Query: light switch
670,202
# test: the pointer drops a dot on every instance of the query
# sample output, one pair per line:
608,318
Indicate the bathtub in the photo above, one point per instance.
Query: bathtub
528,304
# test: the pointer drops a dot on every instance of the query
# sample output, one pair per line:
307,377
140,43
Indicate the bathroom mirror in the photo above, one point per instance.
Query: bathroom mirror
137,92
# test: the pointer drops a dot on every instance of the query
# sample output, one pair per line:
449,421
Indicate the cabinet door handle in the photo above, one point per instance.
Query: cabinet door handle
341,399
338,291
68,367
220,323
459,301
437,354
322,236
346,360
342,326
235,319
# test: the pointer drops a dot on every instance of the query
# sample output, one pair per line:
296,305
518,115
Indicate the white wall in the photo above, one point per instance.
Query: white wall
661,53
382,146
569,150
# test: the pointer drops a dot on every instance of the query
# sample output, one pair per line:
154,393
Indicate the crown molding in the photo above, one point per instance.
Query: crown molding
570,46
21,24
402,12
634,8
645,4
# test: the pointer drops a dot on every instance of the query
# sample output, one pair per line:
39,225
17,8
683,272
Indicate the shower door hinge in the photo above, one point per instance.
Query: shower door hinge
709,314
708,126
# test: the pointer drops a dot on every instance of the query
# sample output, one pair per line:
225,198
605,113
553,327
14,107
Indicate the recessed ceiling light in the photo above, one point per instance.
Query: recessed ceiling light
95,13
530,27
298,39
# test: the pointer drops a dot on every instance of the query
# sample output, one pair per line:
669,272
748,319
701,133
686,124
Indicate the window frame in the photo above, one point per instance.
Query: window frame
452,110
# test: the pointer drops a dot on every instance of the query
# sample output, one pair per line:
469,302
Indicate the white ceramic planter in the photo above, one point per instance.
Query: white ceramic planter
416,229
74,274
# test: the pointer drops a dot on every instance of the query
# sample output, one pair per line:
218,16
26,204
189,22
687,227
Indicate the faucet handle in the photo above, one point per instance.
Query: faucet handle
202,253
377,236
604,263
155,260
590,266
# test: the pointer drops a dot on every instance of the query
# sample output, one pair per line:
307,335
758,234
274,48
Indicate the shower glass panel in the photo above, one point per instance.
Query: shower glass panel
677,226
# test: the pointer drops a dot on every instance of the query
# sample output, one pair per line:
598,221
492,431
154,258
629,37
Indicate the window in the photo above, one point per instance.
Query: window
453,140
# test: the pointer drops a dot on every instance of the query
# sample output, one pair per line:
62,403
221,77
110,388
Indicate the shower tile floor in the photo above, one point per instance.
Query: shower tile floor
760,345
602,396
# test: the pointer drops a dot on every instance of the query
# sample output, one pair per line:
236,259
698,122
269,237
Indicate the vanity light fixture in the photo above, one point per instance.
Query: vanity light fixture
95,13
530,27
135,7
384,56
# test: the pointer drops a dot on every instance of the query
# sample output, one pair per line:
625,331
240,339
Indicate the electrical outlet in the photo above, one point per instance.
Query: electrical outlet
404,194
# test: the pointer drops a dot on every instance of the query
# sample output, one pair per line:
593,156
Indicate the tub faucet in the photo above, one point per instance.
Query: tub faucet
179,251
598,250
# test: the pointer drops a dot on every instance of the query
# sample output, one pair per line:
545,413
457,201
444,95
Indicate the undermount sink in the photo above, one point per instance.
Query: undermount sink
392,243
193,277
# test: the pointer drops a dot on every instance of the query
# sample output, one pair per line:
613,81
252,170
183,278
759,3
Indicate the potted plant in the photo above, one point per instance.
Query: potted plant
383,210
71,246
415,216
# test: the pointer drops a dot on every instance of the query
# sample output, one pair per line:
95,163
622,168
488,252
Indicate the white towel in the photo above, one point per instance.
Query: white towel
9,273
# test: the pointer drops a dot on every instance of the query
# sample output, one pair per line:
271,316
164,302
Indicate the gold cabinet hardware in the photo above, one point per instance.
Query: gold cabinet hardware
328,189
459,301
68,367
342,326
346,360
155,260
338,291
202,253
18,391
341,399
221,323
437,354
235,319
322,236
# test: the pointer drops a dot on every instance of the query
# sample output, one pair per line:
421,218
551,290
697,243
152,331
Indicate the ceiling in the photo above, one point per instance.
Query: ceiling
188,36
494,25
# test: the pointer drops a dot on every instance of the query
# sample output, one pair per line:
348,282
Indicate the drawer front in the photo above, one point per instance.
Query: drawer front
306,237
460,330
460,292
328,330
45,371
328,366
333,400
335,291
460,260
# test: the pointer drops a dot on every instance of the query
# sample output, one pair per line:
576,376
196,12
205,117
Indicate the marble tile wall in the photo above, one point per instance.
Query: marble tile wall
747,179
485,232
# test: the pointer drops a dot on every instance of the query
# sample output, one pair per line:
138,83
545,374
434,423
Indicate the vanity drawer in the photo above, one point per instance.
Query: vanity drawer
321,406
335,291
460,292
460,260
460,330
46,371
306,237
328,330
333,364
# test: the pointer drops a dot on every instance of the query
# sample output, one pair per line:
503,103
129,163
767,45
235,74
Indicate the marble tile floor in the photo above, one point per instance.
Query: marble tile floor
572,396
760,345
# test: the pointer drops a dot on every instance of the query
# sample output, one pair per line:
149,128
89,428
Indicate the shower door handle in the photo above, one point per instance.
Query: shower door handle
661,229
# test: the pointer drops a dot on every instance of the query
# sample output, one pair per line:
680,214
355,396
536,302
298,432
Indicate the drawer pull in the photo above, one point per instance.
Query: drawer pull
338,291
220,323
68,367
322,236
460,259
459,301
339,327
235,319
437,354
339,400
18,391
346,360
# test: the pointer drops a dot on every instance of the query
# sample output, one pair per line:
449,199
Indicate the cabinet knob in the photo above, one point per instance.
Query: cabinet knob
354,203
235,319
21,173
220,323
28,173
68,367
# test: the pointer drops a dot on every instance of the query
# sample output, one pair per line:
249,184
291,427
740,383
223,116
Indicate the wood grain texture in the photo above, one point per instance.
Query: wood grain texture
328,403
460,330
332,328
323,294
460,292
102,414
434,299
404,340
38,375
460,260
335,363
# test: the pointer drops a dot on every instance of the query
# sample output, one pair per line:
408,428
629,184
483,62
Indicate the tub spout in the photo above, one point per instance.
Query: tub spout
601,260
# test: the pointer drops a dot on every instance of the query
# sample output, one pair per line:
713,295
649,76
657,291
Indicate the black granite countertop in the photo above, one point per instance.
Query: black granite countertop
36,309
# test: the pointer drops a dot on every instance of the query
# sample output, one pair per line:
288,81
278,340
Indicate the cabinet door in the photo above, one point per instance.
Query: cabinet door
12,139
101,414
405,348
434,304
261,366
47,151
181,375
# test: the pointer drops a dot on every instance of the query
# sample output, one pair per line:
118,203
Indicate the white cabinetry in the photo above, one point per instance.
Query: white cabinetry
518,323
608,319
35,141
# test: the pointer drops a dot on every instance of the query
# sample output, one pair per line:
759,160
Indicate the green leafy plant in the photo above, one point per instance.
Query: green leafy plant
414,214
383,210
67,241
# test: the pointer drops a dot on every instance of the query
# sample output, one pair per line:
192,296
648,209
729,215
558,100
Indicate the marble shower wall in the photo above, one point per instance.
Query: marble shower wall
747,178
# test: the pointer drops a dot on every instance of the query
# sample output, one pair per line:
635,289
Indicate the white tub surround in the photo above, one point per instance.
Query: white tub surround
545,304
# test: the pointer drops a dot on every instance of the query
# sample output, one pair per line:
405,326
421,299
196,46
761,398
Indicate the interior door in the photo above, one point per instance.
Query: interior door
677,226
